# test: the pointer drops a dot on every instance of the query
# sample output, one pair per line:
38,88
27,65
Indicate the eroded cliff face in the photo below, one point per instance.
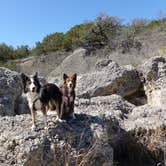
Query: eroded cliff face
154,71
120,119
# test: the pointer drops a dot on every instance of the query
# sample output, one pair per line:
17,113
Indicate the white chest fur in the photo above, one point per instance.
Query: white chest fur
31,96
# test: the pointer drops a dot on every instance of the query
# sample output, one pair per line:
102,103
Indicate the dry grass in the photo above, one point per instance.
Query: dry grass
141,147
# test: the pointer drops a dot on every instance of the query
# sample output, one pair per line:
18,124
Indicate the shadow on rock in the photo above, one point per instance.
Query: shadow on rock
82,141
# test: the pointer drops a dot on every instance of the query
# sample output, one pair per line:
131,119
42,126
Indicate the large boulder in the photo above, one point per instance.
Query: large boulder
146,128
104,127
10,92
145,116
109,106
74,63
77,62
139,130
109,78
154,73
82,141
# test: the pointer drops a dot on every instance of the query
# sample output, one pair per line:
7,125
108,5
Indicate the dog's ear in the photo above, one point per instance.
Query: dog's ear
24,80
37,82
74,76
65,76
36,75
24,77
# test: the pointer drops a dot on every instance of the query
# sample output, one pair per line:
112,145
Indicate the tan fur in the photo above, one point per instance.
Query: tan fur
33,114
52,105
68,91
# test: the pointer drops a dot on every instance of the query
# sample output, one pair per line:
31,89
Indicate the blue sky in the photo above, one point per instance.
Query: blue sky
28,21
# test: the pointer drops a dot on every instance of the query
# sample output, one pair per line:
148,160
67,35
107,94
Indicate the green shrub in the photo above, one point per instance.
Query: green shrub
104,30
10,64
53,42
153,24
6,52
21,51
76,35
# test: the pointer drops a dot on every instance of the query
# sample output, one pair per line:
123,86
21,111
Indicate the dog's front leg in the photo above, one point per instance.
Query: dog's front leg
72,115
33,114
45,122
44,110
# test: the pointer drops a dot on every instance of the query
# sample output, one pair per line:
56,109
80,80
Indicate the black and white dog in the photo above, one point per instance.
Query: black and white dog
44,98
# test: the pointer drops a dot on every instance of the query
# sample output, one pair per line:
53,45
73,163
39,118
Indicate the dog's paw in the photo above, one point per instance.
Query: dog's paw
33,127
60,120
73,116
46,128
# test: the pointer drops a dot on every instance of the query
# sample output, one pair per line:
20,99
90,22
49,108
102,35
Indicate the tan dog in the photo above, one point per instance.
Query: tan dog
68,92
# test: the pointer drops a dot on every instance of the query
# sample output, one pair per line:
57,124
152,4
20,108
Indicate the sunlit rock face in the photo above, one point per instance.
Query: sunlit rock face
154,72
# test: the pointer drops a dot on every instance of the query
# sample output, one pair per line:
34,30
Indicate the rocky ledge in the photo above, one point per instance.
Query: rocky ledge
120,120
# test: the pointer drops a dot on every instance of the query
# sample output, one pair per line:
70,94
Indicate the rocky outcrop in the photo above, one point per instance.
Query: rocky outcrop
154,72
74,63
147,117
42,64
141,132
82,141
146,128
113,106
107,128
103,125
111,79
10,92
77,62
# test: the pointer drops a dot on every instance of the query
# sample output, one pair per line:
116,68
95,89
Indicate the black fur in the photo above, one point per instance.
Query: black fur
37,83
45,97
25,79
51,92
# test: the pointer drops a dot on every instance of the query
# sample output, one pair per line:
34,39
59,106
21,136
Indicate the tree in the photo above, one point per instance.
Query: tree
138,24
103,31
22,51
6,52
38,49
53,42
75,36
127,39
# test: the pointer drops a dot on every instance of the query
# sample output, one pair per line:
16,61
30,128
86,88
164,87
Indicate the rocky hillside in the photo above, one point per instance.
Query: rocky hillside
120,117
125,44
104,37
81,61
42,64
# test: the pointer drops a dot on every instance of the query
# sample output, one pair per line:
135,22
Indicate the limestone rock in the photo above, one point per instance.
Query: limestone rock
141,128
74,63
109,106
154,72
11,89
147,117
111,79
83,140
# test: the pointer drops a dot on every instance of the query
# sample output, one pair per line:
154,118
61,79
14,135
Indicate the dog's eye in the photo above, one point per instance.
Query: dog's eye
29,82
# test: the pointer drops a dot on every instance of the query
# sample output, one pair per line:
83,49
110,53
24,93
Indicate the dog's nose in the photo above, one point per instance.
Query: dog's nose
33,89
70,85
